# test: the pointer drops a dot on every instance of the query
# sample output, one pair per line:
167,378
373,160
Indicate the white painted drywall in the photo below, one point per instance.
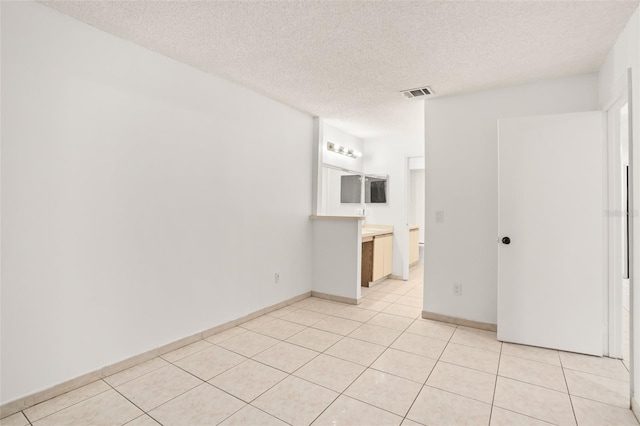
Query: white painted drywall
389,156
337,254
625,54
142,200
416,163
330,182
461,179
333,134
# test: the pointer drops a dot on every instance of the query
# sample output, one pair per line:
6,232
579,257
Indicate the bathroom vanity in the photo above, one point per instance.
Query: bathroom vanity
377,253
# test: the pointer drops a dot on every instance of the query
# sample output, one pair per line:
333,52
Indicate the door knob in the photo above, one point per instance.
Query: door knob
506,240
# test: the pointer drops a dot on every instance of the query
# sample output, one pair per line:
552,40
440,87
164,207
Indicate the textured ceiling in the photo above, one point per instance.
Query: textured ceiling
346,61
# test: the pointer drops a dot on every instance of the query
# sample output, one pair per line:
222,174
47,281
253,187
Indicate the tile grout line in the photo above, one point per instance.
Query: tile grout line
135,405
201,350
320,353
429,375
594,374
65,407
187,356
287,373
359,375
137,377
250,402
566,383
25,416
533,384
561,366
525,415
365,367
495,384
568,393
256,361
260,409
462,344
280,341
467,367
188,390
599,402
531,359
110,386
386,347
204,382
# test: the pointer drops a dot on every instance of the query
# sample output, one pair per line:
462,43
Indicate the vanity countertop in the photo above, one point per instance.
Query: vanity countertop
370,231
374,232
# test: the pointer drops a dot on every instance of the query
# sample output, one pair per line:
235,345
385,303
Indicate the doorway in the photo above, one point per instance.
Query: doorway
624,156
415,205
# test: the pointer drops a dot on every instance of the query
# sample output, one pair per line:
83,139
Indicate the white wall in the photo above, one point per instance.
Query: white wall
626,54
335,135
330,182
462,180
142,200
389,156
337,255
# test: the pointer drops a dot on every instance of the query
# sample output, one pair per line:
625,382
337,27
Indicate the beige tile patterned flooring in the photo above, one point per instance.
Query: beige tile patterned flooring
324,363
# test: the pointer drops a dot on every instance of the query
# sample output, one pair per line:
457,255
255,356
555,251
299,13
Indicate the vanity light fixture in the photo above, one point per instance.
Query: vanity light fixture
349,152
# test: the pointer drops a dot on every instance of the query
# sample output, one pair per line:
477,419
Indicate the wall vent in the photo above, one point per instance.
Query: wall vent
416,93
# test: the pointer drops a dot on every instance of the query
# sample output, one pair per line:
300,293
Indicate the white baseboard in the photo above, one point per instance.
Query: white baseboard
25,402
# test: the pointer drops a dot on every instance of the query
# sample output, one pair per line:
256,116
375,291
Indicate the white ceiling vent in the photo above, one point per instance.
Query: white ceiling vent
417,93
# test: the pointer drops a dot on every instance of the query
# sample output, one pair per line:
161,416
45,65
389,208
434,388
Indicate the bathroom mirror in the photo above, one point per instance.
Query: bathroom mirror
351,189
375,189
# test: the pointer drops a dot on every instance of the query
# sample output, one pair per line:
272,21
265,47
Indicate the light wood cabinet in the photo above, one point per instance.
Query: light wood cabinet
414,246
388,254
382,256
378,259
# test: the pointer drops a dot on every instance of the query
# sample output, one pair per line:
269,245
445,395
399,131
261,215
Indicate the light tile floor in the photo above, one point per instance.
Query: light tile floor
324,363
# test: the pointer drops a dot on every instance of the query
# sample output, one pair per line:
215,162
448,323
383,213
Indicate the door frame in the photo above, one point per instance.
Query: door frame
408,160
612,342
613,308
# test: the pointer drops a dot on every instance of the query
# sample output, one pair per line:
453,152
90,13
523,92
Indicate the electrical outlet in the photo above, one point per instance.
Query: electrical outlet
457,289
277,279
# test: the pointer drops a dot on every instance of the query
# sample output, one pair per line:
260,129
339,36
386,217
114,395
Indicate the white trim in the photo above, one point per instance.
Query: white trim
620,89
613,233
340,169
30,400
407,202
630,230
324,217
407,206
612,343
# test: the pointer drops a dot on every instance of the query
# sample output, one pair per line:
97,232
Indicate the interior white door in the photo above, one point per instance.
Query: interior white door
550,274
